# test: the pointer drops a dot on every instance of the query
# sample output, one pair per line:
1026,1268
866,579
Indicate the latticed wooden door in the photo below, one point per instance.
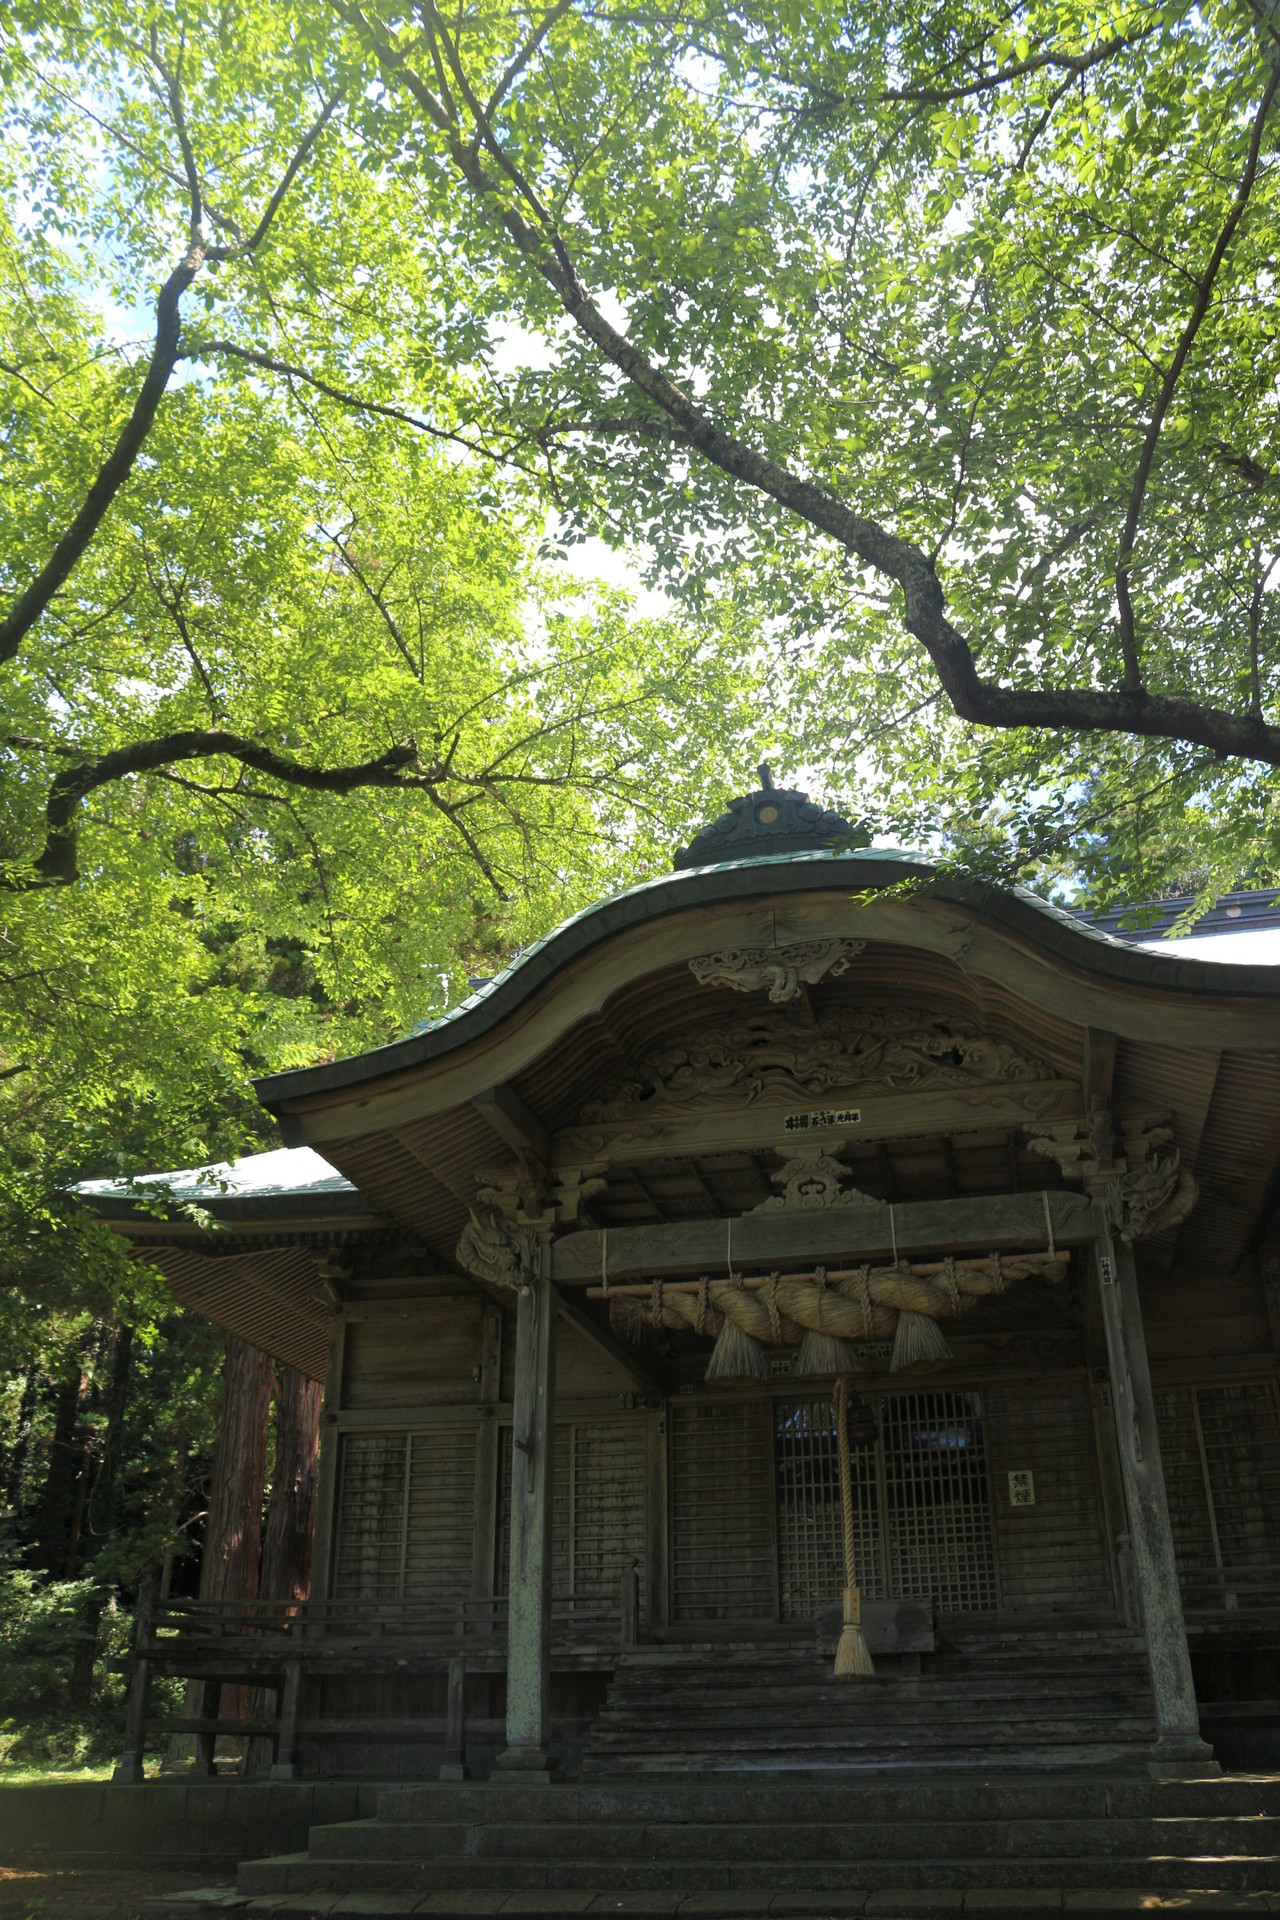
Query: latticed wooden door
723,1558
1221,1452
921,1499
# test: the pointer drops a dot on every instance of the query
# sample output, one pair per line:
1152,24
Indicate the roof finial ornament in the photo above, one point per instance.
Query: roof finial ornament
772,820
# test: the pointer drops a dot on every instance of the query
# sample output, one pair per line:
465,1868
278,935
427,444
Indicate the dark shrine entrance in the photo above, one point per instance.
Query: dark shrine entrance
756,1532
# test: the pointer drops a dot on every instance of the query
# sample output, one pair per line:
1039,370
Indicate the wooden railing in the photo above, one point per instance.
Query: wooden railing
274,1645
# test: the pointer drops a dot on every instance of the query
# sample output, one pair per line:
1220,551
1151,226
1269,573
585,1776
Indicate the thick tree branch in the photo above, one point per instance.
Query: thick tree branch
1052,59
56,864
165,353
1130,648
983,702
115,469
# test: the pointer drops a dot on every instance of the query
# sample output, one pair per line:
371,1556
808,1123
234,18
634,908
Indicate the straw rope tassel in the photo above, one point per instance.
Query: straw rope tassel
853,1662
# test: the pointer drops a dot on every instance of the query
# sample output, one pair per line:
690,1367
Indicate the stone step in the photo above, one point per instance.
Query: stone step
782,1797
689,1762
937,1665
821,1678
994,1903
1240,1872
770,1841
854,1736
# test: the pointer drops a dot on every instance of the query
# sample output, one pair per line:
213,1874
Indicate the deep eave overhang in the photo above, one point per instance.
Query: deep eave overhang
1057,933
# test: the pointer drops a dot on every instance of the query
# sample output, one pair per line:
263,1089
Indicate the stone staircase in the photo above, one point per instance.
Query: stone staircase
1048,1699
784,1844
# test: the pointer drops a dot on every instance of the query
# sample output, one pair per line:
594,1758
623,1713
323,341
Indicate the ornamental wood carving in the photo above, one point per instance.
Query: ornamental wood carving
774,1057
1146,1188
779,971
497,1249
1152,1197
812,1180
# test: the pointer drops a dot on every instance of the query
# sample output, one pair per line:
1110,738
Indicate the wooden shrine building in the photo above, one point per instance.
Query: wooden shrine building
605,1244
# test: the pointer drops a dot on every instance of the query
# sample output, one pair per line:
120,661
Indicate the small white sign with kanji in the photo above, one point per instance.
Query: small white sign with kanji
1022,1487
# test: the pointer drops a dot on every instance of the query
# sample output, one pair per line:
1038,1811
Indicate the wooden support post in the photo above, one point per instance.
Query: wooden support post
488,1394
527,1752
1178,1747
330,1462
629,1606
657,1581
285,1763
454,1765
210,1696
128,1769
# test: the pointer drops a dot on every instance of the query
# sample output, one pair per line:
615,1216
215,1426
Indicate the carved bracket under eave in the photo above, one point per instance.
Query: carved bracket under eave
781,972
497,1249
1146,1188
813,1178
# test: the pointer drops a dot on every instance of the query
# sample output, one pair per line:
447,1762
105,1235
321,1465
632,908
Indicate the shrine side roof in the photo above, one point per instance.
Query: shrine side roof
293,1181
870,870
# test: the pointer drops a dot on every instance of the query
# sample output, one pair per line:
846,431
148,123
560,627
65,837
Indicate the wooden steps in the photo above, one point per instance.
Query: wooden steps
1046,1701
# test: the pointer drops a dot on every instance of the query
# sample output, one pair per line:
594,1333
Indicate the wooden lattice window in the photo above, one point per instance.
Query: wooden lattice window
723,1561
406,1514
1220,1447
597,1511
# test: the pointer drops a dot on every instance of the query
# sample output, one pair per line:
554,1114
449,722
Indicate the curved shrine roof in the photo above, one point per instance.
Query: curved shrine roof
756,877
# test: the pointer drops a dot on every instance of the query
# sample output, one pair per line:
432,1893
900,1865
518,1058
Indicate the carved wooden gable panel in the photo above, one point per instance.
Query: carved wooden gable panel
773,1056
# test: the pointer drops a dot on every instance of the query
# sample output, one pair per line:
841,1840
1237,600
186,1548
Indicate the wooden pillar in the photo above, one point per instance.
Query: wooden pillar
329,1463
284,1766
529,1600
1178,1746
454,1765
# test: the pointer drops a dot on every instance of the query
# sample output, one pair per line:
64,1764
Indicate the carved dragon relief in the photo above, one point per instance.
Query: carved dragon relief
771,1056
1152,1192
497,1249
780,971
1146,1188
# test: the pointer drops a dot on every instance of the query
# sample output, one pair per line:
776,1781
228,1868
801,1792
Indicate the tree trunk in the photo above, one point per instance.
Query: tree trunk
15,1473
232,1549
96,1507
55,1520
291,1510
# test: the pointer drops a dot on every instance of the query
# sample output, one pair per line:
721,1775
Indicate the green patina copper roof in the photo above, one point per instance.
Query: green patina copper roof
758,876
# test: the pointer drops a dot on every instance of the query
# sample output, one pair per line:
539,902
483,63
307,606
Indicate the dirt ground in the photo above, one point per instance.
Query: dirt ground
93,1893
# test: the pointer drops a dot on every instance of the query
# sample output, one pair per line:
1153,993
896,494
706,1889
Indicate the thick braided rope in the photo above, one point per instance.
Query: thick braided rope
846,1477
771,1302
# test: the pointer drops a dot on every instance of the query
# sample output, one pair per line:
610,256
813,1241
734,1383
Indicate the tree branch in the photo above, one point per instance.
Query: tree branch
356,402
1129,646
1072,64
114,470
165,353
983,702
56,863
